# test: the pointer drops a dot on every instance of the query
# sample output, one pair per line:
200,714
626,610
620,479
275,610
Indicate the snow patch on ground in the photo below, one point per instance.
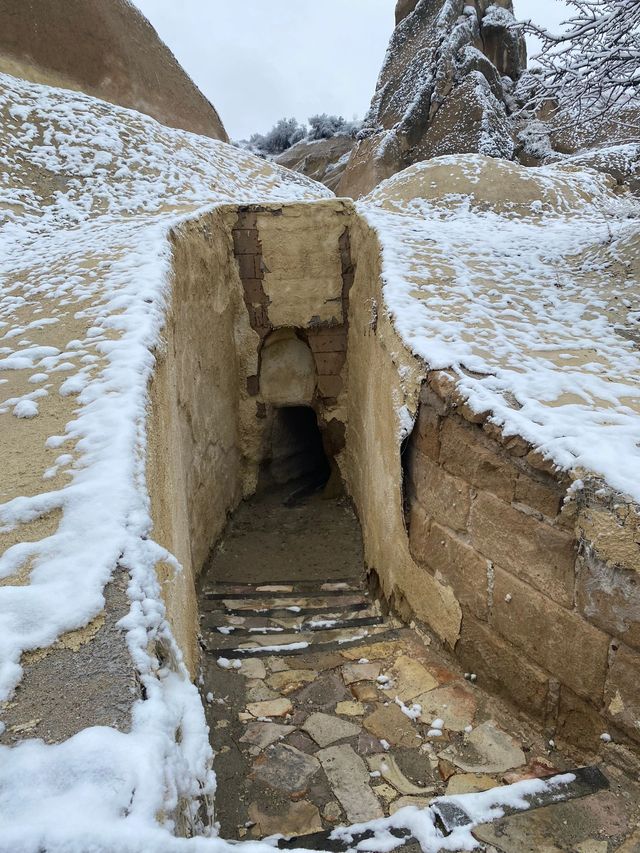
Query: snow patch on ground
530,304
88,195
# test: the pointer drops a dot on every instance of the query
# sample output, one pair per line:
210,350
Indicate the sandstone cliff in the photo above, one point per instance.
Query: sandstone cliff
107,49
443,89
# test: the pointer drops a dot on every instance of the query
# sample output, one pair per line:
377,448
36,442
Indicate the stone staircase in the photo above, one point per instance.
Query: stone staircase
297,618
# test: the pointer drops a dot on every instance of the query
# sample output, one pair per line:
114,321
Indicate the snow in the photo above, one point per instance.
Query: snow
481,808
89,193
530,306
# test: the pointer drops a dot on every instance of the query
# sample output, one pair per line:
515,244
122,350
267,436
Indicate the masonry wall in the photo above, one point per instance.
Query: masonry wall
547,581
195,467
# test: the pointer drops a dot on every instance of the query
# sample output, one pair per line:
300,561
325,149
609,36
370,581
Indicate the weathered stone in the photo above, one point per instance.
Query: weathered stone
488,749
609,597
368,744
579,721
259,692
332,812
467,453
470,783
290,679
264,734
404,802
349,778
545,498
387,767
560,641
385,793
350,709
323,160
389,723
462,568
360,672
615,539
302,741
365,691
410,678
558,828
301,818
271,708
501,667
536,768
455,704
285,768
275,664
253,668
471,119
443,497
531,549
324,693
325,729
426,435
622,691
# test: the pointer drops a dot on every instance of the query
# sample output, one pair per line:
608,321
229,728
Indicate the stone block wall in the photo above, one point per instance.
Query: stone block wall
547,575
296,271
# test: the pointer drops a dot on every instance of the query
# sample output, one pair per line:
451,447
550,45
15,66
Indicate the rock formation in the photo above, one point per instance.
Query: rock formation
323,160
105,48
443,89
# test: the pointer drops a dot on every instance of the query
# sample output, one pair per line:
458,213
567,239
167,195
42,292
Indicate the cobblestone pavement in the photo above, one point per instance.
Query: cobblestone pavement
325,712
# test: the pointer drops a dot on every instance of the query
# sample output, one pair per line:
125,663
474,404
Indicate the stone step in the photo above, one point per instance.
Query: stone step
337,635
351,584
302,647
261,603
295,626
327,609
249,593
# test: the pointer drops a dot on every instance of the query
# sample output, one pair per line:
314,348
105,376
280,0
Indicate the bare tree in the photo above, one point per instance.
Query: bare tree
592,68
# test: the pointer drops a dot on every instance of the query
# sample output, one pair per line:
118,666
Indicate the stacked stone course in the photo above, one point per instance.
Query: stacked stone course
547,577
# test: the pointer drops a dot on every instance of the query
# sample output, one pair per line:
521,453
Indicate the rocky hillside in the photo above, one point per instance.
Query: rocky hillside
443,89
324,160
105,48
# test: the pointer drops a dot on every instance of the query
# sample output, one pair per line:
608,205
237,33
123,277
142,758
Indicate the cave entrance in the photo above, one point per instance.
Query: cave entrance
296,450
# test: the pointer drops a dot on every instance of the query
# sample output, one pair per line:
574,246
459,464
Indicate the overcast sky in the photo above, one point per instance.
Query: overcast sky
260,60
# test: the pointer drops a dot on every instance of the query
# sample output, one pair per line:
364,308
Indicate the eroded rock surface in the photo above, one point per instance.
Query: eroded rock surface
443,89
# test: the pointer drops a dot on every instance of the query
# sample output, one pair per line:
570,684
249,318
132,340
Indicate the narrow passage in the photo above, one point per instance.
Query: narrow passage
324,711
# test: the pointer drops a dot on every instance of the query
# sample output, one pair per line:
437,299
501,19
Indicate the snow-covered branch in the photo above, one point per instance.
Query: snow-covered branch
592,67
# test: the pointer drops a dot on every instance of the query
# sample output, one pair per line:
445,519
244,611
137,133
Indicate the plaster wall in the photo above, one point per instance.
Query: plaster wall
195,467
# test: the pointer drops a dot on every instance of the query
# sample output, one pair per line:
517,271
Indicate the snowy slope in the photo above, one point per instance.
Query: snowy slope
525,283
88,192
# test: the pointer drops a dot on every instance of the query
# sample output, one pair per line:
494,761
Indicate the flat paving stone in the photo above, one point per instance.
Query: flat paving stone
259,692
559,827
360,672
271,708
349,779
326,729
324,694
410,679
291,679
387,767
350,709
405,802
470,783
285,768
488,750
264,734
456,704
301,818
253,668
389,723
